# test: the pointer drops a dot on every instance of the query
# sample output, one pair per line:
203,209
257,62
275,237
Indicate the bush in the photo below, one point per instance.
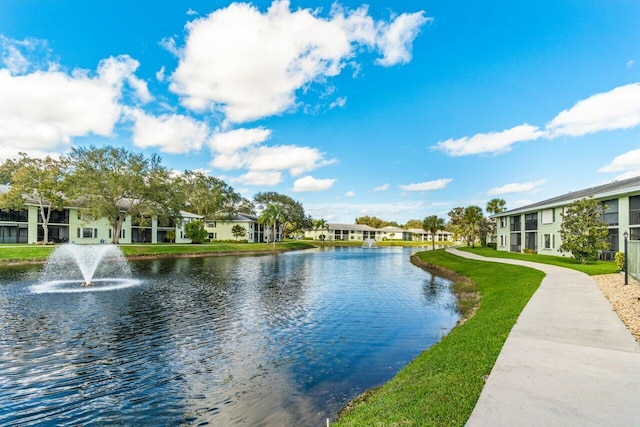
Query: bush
529,251
619,259
492,245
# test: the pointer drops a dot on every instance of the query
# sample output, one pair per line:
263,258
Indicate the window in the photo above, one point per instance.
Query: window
634,210
503,222
549,242
613,240
213,236
14,216
531,241
501,240
515,223
531,221
87,233
516,242
610,212
548,216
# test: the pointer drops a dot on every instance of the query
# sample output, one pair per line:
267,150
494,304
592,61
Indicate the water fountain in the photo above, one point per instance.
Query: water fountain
78,268
369,243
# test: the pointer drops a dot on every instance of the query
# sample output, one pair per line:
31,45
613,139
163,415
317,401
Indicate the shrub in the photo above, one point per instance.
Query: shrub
619,259
529,251
492,245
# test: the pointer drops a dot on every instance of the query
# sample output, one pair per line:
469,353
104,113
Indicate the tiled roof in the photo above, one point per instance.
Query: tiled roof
600,191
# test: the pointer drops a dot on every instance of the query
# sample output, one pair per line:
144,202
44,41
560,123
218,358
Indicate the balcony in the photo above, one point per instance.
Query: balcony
634,217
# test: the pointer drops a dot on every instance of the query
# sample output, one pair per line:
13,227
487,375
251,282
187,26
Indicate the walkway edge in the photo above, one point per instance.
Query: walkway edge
568,360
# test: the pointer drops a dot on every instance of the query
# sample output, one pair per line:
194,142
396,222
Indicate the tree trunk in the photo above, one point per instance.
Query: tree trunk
117,230
45,223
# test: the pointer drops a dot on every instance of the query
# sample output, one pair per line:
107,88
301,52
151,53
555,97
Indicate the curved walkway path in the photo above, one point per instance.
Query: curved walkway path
568,361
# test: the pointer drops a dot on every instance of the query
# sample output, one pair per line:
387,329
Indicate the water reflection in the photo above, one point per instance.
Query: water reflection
268,340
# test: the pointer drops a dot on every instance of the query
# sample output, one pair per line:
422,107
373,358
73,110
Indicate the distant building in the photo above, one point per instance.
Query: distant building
221,229
360,233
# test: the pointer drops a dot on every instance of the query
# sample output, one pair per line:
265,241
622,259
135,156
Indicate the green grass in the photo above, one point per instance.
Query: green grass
24,253
441,386
20,253
591,268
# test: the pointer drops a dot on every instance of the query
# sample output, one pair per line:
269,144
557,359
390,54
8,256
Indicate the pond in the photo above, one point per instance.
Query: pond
283,339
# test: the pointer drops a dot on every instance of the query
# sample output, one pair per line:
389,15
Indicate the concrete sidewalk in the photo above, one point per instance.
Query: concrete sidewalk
568,361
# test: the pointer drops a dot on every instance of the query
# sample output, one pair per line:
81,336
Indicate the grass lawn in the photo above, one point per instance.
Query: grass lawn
17,253
24,252
591,268
441,386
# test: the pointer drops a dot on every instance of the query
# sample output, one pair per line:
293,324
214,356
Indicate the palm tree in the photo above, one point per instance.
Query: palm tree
432,224
495,206
321,224
271,216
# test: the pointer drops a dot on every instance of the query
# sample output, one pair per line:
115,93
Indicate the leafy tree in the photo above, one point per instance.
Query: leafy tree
171,236
195,231
238,231
291,218
489,227
8,168
375,222
465,223
110,182
270,217
246,206
582,231
321,224
413,223
206,195
433,224
40,181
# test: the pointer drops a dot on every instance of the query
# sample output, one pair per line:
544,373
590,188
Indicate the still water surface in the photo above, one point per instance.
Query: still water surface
255,340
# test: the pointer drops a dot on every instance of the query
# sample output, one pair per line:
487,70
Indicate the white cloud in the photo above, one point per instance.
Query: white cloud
396,39
516,188
617,109
172,133
311,184
249,64
160,74
263,178
427,186
296,159
191,12
627,164
339,102
383,187
630,64
234,140
492,142
228,161
44,110
350,194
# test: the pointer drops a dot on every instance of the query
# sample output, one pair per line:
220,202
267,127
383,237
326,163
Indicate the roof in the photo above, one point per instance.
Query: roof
421,231
599,192
354,227
238,217
393,229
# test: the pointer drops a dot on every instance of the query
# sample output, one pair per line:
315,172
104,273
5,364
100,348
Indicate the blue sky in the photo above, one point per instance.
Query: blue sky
392,109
